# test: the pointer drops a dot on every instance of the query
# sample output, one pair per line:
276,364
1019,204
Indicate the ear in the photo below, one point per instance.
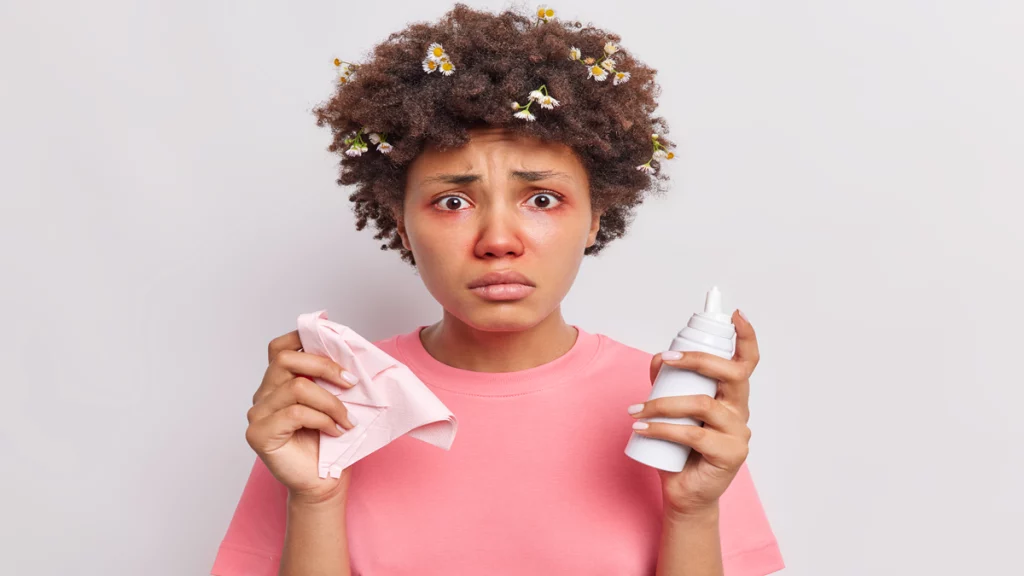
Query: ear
396,212
595,226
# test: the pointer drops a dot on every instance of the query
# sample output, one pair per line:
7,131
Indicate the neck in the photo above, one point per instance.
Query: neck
457,344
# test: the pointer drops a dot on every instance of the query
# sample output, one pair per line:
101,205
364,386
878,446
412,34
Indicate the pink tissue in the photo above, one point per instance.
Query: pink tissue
388,401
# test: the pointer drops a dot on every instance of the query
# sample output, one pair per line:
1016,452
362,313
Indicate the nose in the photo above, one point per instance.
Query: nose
499,235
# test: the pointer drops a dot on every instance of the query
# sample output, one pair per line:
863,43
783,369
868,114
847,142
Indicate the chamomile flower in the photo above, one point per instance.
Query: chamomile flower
384,148
447,68
344,70
373,137
610,48
536,95
597,73
588,60
574,53
525,115
435,52
608,64
515,106
660,153
354,150
545,13
620,78
429,65
646,168
547,102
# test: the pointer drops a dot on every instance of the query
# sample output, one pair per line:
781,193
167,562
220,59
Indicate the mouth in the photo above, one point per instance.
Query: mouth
502,286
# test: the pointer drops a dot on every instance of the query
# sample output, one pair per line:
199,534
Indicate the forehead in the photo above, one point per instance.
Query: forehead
496,145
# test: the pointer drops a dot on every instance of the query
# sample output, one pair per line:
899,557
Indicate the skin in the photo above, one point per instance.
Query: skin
537,224
500,202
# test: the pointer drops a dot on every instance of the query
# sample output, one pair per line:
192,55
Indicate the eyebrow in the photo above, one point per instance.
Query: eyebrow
525,175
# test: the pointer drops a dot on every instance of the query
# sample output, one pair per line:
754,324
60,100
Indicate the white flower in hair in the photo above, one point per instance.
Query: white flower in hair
345,70
547,102
620,78
435,52
597,73
429,65
610,48
545,13
608,64
536,95
574,53
373,137
515,105
660,153
447,68
645,168
354,150
384,148
525,115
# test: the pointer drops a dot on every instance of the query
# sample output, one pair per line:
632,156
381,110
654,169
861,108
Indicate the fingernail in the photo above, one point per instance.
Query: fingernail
743,315
640,425
352,419
349,377
635,408
671,355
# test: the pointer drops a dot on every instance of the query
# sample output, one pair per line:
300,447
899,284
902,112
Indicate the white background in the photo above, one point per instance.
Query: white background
849,173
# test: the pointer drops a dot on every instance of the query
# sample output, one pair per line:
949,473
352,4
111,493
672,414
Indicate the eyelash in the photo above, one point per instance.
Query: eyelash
560,198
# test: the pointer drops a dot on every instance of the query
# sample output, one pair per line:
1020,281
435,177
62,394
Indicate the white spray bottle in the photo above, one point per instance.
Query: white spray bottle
709,331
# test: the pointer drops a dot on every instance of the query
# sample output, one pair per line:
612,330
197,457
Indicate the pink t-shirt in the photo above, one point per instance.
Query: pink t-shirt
536,481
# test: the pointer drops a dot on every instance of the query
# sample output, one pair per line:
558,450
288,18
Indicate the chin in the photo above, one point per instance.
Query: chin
500,317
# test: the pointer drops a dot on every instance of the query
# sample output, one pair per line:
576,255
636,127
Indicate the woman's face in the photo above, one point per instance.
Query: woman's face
501,203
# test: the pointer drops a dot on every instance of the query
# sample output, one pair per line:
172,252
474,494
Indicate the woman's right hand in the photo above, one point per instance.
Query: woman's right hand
288,413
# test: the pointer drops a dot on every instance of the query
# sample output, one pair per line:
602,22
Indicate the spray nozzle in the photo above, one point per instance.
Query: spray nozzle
713,306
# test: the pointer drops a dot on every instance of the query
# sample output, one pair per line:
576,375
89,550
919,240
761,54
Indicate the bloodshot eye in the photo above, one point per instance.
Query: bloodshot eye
450,203
545,200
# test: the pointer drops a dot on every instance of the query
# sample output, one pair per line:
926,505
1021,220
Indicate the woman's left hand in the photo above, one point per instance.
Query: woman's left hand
719,448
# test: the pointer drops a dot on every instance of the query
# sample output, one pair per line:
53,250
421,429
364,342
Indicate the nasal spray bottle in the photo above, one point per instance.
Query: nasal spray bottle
709,331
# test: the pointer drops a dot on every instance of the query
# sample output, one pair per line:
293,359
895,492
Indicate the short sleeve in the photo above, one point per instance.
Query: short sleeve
255,536
749,547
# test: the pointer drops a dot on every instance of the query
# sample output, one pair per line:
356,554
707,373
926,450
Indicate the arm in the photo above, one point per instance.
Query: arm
690,545
315,542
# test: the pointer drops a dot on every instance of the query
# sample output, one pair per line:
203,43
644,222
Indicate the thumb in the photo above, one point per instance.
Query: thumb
656,363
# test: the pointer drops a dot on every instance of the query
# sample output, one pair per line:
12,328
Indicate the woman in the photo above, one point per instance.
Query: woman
496,206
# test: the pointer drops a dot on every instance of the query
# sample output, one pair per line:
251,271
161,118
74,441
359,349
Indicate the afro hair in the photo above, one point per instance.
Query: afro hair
498,59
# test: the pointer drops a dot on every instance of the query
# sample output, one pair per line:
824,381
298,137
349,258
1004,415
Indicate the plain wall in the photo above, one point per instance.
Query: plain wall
849,174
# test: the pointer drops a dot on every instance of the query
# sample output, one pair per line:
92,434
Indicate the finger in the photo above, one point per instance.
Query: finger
283,423
655,367
712,366
289,341
746,341
718,448
305,392
714,413
288,364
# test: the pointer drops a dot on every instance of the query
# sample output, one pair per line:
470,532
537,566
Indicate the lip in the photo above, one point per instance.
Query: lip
501,277
502,286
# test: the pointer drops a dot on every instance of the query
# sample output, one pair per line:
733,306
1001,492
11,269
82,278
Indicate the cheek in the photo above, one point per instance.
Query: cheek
439,239
551,231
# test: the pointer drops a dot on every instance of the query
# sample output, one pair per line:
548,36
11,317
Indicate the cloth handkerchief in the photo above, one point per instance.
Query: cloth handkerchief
388,401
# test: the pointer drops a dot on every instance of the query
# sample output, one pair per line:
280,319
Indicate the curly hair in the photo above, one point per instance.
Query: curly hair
498,60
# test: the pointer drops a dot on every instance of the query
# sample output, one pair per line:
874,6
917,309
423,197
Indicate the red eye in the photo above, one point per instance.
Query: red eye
545,200
451,203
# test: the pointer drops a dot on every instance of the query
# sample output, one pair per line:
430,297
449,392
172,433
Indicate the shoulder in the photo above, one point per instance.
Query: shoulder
622,351
621,357
393,345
